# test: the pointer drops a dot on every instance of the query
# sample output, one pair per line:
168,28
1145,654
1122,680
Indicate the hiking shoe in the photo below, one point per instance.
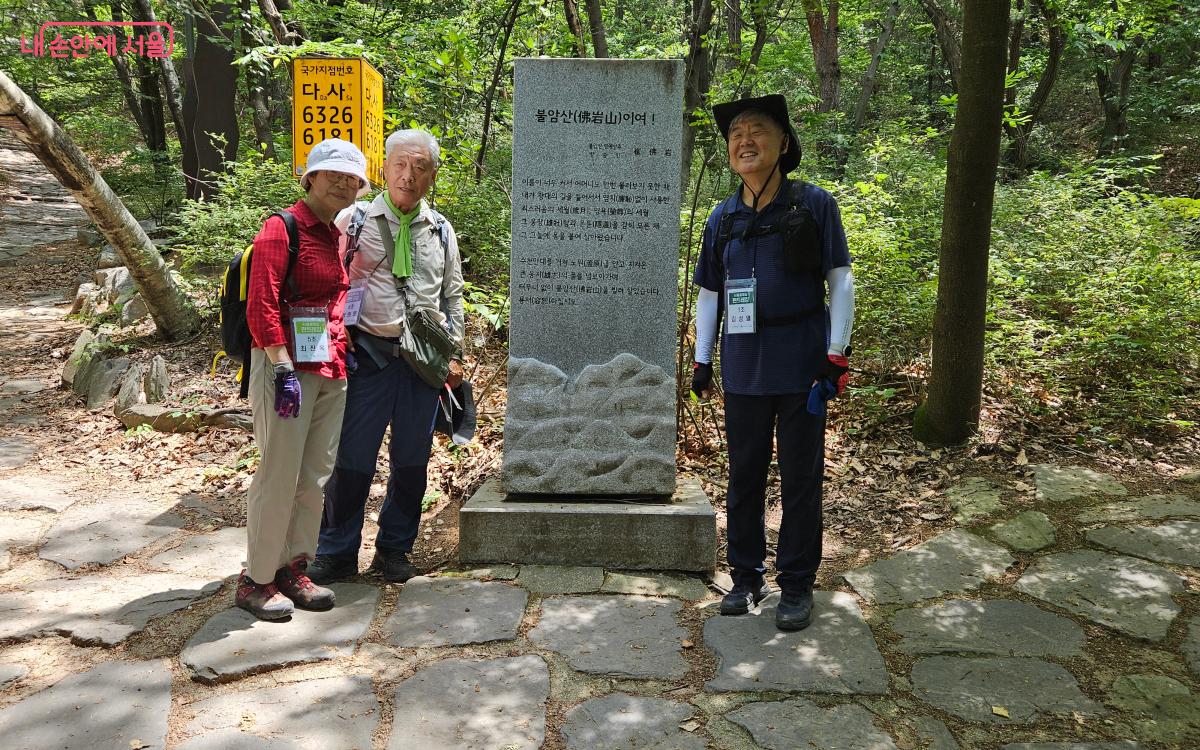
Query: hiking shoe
743,598
795,610
297,586
327,568
262,600
394,568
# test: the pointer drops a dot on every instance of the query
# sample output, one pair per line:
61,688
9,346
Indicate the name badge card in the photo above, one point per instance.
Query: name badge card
310,334
354,301
739,305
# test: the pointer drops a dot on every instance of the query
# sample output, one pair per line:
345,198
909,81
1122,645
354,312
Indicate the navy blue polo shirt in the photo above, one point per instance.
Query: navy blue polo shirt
781,358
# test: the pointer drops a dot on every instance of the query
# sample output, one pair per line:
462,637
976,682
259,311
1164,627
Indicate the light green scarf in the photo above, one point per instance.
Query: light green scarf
402,263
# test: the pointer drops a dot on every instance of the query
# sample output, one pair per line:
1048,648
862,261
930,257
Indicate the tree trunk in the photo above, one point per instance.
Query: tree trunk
510,20
596,24
1017,154
152,104
697,75
172,312
734,26
571,9
823,33
170,79
257,80
209,105
121,65
951,413
947,36
758,14
1014,53
1113,86
283,35
870,78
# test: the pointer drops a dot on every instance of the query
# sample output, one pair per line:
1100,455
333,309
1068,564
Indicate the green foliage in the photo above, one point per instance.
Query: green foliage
209,233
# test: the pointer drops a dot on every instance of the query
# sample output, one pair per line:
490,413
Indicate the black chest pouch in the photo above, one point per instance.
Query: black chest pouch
801,241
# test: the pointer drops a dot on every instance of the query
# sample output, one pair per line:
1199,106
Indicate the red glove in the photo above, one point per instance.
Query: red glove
836,369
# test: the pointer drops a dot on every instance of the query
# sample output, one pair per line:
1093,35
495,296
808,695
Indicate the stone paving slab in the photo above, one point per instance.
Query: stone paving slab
18,531
630,636
1191,647
1123,593
333,712
1025,532
1163,709
1148,508
102,532
32,493
211,557
624,722
970,689
234,643
998,627
1175,542
655,584
12,673
15,452
797,723
557,579
951,563
103,610
118,705
974,498
453,611
1061,484
495,572
472,703
934,735
1119,745
835,654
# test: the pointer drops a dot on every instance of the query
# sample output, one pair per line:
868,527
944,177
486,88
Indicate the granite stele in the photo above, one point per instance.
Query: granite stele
594,271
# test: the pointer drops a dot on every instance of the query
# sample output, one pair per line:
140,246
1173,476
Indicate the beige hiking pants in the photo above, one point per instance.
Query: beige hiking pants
286,499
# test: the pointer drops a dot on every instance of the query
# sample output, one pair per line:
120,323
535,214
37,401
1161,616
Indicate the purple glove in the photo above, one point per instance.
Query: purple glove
287,394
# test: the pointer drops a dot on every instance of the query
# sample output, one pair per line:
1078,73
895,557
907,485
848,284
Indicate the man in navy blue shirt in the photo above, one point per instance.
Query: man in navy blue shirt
771,251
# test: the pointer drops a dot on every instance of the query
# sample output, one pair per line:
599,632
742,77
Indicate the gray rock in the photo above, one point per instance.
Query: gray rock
102,532
1028,689
798,723
836,654
101,610
655,584
1124,593
102,380
495,572
560,579
334,712
131,391
951,563
974,498
1176,542
161,418
933,734
1164,710
1026,532
630,636
1190,477
79,353
1061,484
1150,507
33,493
12,673
133,310
21,387
19,531
109,258
158,381
87,298
117,283
1191,647
1119,745
117,705
14,452
473,703
88,236
450,611
623,722
206,557
999,627
234,643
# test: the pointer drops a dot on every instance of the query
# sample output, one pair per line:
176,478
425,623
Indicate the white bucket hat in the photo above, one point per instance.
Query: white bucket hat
336,155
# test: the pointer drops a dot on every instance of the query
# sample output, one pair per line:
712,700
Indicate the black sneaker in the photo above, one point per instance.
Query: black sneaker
327,569
795,610
394,568
743,598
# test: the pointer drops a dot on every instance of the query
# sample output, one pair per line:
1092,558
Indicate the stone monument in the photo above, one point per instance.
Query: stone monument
594,271
592,336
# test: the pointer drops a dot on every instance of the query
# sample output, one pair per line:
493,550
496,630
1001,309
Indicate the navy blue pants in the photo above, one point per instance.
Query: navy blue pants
750,424
376,398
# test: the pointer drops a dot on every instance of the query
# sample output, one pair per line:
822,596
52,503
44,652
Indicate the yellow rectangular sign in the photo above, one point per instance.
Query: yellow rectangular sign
337,98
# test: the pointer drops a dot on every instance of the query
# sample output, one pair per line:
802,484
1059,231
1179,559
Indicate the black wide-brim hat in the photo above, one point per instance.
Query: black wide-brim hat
773,105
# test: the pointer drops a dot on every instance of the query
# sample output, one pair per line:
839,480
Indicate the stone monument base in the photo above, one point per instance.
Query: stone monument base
679,534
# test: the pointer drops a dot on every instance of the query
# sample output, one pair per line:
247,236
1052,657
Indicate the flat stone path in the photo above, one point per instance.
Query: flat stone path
1059,616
